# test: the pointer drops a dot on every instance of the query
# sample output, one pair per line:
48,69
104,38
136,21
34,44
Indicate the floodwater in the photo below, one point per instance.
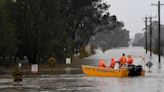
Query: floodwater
153,81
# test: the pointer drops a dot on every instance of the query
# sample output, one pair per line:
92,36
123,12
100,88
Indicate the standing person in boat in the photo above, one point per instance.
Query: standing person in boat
112,63
101,63
130,60
123,60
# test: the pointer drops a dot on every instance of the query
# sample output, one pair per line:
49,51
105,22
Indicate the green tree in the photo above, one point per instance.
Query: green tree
8,40
84,19
35,20
54,26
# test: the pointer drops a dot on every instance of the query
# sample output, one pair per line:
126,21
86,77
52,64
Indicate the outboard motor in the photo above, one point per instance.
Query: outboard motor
135,70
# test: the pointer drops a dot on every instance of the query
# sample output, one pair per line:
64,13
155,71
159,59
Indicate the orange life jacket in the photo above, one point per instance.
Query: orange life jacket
130,60
123,60
101,63
112,63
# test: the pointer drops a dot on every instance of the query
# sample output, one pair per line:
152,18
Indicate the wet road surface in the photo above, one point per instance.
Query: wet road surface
73,80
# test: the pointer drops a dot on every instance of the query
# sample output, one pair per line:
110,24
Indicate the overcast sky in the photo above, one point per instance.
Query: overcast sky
131,12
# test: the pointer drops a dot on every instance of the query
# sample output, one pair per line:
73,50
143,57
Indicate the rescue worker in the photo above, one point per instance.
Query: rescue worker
112,63
17,75
130,60
101,63
123,60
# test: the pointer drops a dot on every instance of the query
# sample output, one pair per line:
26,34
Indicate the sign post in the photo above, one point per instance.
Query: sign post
149,65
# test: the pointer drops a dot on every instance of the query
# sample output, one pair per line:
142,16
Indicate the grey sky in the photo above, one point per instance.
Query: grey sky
131,12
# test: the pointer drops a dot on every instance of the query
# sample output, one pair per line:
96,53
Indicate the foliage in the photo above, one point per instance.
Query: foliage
38,28
110,38
8,40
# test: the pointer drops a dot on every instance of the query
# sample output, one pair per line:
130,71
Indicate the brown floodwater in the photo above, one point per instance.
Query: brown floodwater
71,79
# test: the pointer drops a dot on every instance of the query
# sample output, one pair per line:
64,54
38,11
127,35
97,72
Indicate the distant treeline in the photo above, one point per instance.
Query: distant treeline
39,28
118,37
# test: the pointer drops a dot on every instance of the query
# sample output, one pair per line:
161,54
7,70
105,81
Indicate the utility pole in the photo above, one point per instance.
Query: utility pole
150,32
146,34
150,36
159,31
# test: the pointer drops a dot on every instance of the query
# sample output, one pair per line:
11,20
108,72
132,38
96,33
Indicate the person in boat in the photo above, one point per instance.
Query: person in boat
101,63
122,60
112,63
130,60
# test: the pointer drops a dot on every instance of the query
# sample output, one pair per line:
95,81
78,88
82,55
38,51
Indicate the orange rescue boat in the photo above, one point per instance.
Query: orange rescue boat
107,72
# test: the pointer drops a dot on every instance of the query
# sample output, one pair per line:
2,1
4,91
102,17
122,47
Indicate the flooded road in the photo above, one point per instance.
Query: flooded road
79,82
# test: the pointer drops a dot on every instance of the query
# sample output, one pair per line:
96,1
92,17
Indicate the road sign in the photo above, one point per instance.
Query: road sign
34,68
68,60
149,64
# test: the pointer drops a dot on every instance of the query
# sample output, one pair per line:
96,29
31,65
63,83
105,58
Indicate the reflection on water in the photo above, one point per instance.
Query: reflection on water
68,82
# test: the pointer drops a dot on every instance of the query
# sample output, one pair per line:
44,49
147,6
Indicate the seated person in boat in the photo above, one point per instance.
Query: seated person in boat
130,60
112,63
101,63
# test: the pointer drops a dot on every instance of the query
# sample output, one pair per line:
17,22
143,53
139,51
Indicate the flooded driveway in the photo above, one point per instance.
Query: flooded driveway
75,81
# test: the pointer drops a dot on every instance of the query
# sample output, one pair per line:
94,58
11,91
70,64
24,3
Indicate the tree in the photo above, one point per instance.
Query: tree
43,27
115,36
35,21
8,40
84,19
